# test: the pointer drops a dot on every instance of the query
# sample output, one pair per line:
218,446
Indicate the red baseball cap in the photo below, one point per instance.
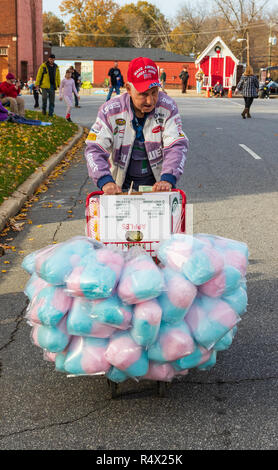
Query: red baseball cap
143,74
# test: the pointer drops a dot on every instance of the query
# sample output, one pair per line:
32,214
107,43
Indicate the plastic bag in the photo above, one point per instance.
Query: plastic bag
174,341
196,260
97,275
34,286
125,354
199,356
228,280
49,306
210,319
83,322
55,265
146,322
54,339
178,297
86,356
141,279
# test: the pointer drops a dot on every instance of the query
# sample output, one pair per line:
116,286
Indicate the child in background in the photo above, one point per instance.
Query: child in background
67,88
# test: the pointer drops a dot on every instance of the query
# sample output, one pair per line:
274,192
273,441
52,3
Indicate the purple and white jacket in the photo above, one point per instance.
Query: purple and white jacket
110,141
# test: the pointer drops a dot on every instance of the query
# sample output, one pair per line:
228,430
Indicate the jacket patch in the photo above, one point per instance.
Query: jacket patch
120,122
92,136
116,130
157,129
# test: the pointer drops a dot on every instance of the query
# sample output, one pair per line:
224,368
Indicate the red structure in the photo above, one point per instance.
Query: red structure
218,64
101,59
21,38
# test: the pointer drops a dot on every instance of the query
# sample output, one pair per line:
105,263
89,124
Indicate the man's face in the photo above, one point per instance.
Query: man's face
116,65
51,60
144,102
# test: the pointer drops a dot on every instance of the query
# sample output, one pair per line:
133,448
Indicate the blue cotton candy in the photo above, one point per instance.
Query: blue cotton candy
28,263
210,363
198,269
226,341
59,263
54,339
116,375
238,300
112,311
60,362
169,345
138,368
193,359
85,356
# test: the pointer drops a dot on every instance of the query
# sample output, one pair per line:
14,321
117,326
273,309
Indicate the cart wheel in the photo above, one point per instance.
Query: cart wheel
113,388
161,389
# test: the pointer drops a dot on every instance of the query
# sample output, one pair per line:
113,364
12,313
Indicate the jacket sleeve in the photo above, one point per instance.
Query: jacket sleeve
39,76
240,83
175,147
58,77
97,152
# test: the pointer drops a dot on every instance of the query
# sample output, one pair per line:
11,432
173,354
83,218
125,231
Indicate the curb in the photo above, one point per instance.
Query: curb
15,202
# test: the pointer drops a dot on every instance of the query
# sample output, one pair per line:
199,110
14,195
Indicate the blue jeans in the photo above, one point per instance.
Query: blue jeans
48,93
113,87
198,86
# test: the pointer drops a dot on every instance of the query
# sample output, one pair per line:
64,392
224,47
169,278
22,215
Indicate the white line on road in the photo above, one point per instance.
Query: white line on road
254,155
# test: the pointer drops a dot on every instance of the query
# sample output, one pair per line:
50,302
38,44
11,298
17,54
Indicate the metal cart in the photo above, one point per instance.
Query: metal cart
148,246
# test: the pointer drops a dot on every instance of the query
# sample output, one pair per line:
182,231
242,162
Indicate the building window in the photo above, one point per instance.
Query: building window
3,51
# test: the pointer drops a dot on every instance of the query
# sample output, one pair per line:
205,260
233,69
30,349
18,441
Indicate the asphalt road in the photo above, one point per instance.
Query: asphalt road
231,193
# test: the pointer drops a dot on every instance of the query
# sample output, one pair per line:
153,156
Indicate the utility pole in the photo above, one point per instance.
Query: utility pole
248,47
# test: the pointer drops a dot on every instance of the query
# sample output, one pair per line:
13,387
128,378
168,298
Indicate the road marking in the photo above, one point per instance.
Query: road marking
254,155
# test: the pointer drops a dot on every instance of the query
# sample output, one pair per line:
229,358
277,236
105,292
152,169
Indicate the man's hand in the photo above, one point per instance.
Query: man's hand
111,188
162,186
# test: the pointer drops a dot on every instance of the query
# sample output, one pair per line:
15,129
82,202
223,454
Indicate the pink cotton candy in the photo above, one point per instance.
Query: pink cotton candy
149,311
195,316
61,301
181,292
49,356
176,344
216,259
94,361
127,319
43,256
162,372
111,258
125,290
100,330
34,335
73,281
237,260
122,352
178,254
75,260
215,287
224,314
33,311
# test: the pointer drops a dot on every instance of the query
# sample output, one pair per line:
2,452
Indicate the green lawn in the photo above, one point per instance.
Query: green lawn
24,148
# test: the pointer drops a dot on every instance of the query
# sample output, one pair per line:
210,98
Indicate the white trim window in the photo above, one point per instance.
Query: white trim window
3,51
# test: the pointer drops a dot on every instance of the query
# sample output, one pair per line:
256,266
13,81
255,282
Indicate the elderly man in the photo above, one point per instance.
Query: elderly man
137,137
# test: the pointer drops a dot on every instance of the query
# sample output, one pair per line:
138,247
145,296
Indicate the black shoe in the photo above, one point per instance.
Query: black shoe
69,119
77,106
36,106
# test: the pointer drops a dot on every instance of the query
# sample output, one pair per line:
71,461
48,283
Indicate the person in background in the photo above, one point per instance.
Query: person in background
31,85
184,76
248,86
9,91
48,79
138,139
115,78
218,90
77,81
162,79
199,80
67,88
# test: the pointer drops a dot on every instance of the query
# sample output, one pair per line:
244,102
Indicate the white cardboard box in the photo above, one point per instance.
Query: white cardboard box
150,216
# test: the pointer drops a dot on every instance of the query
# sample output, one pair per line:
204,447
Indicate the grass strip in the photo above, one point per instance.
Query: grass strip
24,148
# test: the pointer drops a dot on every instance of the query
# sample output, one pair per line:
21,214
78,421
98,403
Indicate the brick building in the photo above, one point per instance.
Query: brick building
95,62
21,38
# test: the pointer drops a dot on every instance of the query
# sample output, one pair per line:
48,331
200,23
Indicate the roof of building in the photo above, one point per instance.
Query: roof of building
117,53
211,45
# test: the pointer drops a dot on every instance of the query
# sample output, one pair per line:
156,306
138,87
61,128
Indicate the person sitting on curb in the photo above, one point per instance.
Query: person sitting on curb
10,90
137,137
218,90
